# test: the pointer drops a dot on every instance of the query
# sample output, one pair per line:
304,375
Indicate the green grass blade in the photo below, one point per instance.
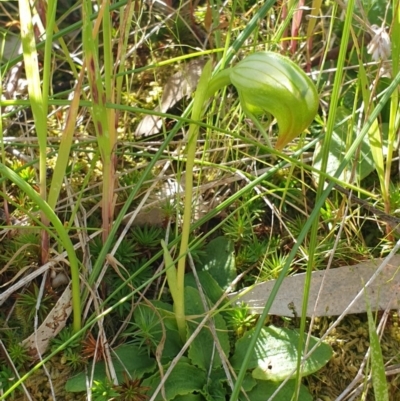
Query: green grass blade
62,233
337,87
379,382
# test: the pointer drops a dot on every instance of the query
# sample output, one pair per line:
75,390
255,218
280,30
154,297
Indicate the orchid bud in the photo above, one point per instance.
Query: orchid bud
269,82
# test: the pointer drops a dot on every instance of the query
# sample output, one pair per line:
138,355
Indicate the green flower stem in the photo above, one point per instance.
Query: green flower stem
266,83
177,282
219,81
46,210
197,112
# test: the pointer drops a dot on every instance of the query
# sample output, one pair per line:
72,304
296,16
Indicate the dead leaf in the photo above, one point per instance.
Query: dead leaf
340,287
180,85
37,343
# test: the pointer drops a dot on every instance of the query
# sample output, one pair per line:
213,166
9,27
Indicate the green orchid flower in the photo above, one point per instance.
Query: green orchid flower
270,83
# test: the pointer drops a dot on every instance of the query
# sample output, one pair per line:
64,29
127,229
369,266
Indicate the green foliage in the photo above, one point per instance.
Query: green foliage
27,173
263,390
74,359
21,250
115,279
126,358
379,380
202,352
26,304
198,375
147,236
238,227
258,79
65,334
152,326
131,390
146,329
71,355
254,254
219,260
394,191
125,253
103,390
209,285
342,137
18,354
240,320
275,355
185,379
272,266
7,378
375,9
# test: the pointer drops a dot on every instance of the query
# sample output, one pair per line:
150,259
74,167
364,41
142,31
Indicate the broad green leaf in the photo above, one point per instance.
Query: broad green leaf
210,287
264,389
184,379
219,261
275,355
189,397
126,358
202,351
215,390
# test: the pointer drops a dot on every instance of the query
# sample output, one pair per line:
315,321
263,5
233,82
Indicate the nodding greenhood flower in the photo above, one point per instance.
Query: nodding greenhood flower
270,83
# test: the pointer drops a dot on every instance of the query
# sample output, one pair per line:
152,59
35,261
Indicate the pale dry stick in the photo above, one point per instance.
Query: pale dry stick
387,218
358,378
390,371
94,291
223,357
107,354
192,337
